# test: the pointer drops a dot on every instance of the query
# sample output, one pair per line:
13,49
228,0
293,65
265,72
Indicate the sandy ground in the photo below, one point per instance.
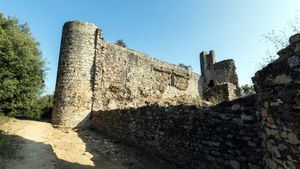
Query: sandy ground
40,146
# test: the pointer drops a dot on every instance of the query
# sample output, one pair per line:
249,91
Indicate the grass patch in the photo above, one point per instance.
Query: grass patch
6,146
3,119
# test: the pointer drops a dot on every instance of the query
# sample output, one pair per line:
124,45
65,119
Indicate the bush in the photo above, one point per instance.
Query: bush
22,69
42,109
185,66
45,106
3,119
120,42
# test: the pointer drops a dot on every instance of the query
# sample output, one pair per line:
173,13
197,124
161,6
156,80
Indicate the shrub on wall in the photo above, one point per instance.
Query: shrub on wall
121,42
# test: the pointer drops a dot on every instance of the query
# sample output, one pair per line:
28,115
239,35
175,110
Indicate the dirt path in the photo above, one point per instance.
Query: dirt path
40,146
34,150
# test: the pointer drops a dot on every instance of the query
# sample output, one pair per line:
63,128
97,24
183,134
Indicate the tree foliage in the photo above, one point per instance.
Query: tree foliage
247,89
121,42
45,106
21,69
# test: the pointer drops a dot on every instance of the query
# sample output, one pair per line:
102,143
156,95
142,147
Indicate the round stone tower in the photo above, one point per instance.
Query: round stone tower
74,85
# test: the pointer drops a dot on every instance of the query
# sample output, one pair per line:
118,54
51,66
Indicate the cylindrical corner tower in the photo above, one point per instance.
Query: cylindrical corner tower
74,85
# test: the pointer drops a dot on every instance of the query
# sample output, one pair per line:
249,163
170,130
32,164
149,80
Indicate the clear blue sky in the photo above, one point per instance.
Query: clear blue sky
171,30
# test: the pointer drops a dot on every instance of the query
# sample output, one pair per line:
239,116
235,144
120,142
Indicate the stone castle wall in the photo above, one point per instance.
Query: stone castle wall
221,92
125,78
225,136
96,75
252,132
224,71
120,86
278,100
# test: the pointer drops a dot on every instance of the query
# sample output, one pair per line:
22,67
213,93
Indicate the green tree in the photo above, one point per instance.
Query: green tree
45,106
121,42
247,89
22,69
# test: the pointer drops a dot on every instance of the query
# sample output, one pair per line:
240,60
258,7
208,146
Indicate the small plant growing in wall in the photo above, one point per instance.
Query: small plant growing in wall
185,66
121,42
215,100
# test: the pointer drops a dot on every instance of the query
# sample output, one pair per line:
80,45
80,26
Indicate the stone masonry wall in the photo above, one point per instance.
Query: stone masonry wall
278,100
215,76
126,78
73,93
96,75
221,92
225,136
224,71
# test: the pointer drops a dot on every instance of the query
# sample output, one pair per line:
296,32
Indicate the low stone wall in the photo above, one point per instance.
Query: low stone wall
224,136
278,100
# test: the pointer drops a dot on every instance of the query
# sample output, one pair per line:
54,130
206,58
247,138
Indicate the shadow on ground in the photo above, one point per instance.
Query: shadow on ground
112,154
107,154
50,161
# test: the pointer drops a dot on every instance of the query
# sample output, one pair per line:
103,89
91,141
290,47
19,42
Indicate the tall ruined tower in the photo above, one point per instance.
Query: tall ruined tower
74,86
219,80
207,60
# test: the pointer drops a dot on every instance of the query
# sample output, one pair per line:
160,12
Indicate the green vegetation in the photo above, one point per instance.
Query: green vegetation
45,106
3,119
247,89
121,42
22,70
185,66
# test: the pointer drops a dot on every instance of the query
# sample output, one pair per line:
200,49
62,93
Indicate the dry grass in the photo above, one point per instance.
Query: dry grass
215,100
183,100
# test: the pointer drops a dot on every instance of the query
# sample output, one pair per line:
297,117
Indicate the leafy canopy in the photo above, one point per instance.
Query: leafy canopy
21,69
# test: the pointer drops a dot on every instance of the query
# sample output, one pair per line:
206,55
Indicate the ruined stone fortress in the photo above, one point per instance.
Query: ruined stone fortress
151,104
